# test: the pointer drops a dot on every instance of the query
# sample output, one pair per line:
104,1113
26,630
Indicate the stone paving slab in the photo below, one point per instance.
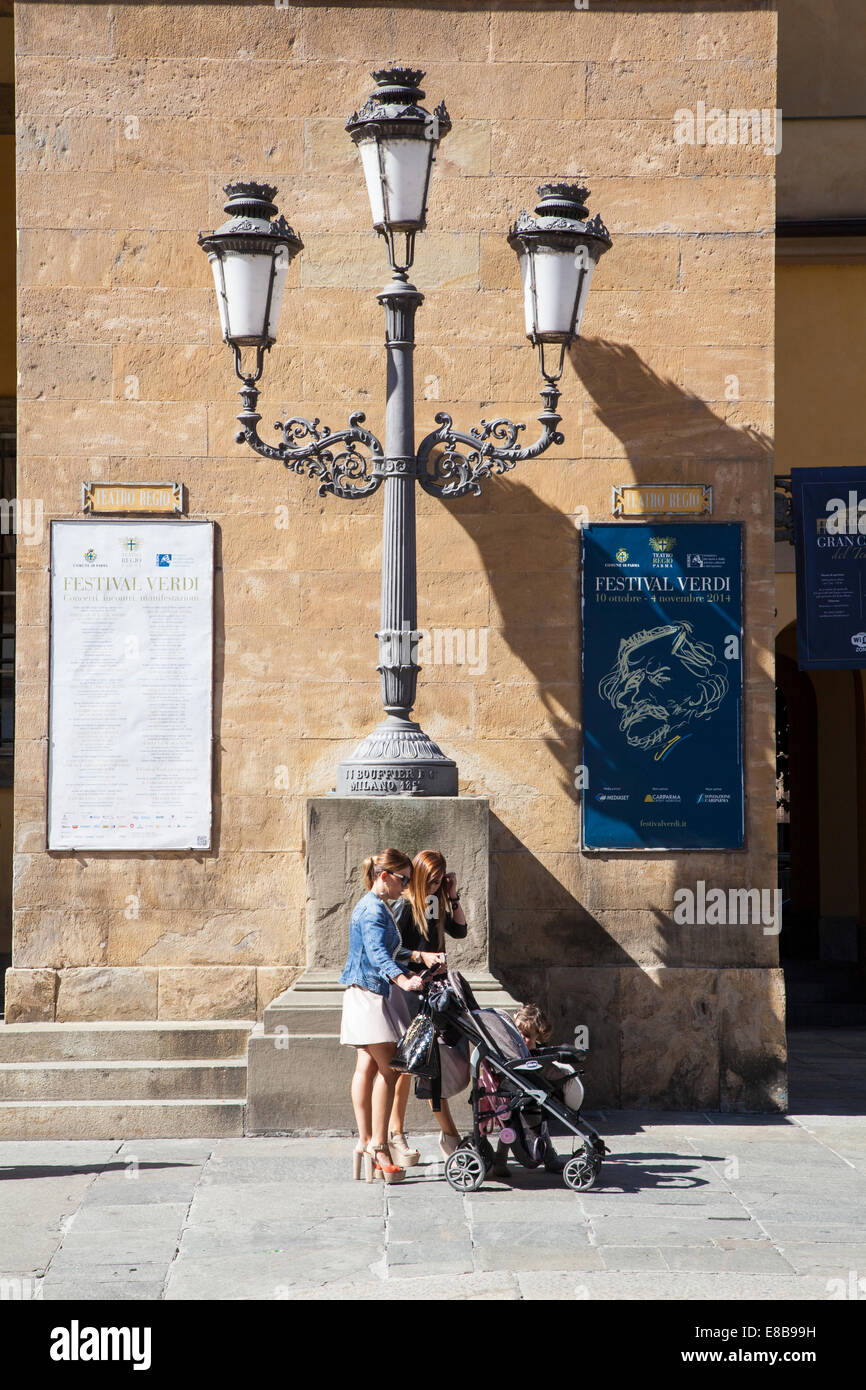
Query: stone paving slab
131,1192
745,1257
812,1233
631,1257
535,1253
118,1247
281,1219
27,1250
228,1208
78,1153
275,1237
271,1276
665,1231
77,1289
143,1216
431,1257
170,1150
717,1287
825,1257
484,1286
114,1272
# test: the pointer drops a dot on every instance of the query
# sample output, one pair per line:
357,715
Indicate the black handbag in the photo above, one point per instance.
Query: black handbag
418,1051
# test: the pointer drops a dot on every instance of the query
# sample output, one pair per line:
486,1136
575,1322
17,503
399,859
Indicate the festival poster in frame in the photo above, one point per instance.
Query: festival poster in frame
829,507
662,663
131,685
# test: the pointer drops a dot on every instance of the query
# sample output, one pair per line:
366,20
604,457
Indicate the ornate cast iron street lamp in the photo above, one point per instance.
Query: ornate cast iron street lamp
557,248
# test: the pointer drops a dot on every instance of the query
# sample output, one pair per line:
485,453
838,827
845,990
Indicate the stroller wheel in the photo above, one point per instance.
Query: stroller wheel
465,1169
580,1172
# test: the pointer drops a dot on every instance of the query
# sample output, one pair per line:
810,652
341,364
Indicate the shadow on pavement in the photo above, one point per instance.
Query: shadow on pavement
50,1170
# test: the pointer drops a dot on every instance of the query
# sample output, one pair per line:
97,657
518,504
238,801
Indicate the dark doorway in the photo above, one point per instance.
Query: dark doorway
797,811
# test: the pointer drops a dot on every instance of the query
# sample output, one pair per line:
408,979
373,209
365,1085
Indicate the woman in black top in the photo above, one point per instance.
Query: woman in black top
428,912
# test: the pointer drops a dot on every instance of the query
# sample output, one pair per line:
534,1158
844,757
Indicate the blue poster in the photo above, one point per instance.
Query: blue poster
662,686
830,539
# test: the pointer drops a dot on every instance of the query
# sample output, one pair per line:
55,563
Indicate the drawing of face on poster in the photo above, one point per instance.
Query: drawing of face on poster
661,681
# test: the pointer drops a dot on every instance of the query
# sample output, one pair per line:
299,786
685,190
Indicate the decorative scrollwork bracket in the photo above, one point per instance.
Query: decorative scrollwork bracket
489,449
331,456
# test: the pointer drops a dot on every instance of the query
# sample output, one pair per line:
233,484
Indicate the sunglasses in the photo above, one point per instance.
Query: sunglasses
404,878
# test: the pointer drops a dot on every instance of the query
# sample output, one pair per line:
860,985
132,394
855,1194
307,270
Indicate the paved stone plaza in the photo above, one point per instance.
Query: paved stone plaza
689,1206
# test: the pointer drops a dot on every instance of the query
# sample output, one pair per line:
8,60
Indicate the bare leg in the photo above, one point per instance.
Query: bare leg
446,1123
397,1122
383,1090
362,1093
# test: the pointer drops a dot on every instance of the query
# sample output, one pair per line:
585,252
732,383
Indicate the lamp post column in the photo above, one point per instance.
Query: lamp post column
398,637
398,756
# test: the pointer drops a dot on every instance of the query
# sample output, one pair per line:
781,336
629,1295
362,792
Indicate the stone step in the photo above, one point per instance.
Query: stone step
300,1085
304,1019
115,1119
210,1079
314,1003
145,1041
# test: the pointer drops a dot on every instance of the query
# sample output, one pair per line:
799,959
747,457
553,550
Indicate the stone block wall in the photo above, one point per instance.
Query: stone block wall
130,120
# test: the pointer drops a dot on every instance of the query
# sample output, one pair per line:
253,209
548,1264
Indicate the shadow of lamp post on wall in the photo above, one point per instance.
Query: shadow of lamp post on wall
558,248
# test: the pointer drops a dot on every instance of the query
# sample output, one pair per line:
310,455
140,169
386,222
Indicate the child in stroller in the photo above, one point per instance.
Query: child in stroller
535,1144
514,1090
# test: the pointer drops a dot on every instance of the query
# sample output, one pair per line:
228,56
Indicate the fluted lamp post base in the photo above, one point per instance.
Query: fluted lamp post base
397,759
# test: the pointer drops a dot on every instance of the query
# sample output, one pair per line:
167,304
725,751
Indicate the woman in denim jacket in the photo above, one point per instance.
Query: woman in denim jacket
427,913
375,1014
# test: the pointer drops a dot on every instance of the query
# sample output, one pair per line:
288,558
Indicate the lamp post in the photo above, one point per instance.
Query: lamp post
557,248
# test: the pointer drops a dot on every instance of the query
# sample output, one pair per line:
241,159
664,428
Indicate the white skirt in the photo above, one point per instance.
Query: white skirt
373,1018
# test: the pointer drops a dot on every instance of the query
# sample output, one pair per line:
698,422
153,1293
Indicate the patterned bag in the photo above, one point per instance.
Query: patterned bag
417,1051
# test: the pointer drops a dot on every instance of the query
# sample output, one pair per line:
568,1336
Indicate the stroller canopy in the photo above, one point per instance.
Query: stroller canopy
496,1028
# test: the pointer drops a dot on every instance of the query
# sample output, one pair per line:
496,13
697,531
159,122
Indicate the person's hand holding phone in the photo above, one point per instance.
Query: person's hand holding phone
434,961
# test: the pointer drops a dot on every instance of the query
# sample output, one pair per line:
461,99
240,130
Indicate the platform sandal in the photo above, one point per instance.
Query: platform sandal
400,1151
379,1156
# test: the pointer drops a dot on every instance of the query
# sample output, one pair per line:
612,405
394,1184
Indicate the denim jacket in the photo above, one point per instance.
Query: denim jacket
373,939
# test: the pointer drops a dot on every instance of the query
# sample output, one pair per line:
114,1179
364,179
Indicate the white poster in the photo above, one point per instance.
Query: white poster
131,685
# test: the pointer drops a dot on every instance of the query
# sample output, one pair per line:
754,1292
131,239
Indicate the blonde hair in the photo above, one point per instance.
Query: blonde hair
393,861
426,864
531,1016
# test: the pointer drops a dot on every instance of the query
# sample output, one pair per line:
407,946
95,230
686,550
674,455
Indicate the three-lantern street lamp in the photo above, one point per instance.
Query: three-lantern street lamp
557,248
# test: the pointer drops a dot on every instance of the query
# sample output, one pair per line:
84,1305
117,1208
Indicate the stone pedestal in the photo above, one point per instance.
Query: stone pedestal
298,1074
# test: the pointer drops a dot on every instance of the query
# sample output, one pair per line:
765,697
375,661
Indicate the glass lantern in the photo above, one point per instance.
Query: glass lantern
397,139
558,250
250,257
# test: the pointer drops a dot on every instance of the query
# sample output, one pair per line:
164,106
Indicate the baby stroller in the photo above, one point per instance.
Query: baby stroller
513,1090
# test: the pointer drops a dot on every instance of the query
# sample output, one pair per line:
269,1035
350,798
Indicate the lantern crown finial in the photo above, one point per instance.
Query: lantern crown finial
395,84
561,208
562,200
247,199
396,98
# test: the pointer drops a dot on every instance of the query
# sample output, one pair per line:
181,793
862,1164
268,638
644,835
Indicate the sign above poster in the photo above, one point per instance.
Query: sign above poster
131,685
662,686
142,498
662,499
829,506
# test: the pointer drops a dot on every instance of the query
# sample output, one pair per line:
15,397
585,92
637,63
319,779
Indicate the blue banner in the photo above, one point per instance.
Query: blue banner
662,686
830,539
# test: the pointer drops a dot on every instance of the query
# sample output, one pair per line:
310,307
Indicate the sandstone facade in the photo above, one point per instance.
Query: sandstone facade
130,120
